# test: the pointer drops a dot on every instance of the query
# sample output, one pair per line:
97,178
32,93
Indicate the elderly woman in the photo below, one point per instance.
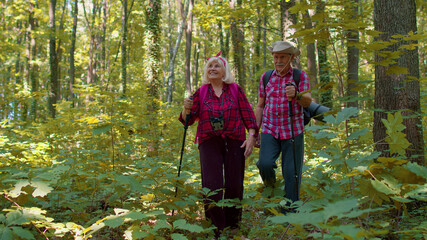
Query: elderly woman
224,113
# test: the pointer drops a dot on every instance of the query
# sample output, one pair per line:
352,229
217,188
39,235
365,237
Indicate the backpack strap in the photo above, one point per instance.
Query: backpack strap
297,76
266,79
267,76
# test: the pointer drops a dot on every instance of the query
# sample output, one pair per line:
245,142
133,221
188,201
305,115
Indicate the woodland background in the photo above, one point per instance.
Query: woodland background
90,93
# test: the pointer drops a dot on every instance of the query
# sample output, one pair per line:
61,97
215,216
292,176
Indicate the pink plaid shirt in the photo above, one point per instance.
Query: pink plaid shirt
237,116
275,118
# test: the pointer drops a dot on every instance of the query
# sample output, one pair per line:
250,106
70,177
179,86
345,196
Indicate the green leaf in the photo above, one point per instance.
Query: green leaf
402,200
420,171
114,222
348,231
161,224
6,233
357,134
15,218
339,208
23,233
347,113
298,218
178,236
382,187
42,189
324,134
102,129
182,224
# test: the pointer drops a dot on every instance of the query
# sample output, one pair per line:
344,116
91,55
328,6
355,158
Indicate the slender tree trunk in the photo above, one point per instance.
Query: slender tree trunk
29,59
353,60
53,80
188,40
196,64
258,39
17,113
91,70
124,45
264,43
181,29
286,18
59,50
153,69
397,90
326,92
311,56
32,66
238,38
103,42
72,50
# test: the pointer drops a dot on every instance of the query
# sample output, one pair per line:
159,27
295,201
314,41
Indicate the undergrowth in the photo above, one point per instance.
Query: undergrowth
98,175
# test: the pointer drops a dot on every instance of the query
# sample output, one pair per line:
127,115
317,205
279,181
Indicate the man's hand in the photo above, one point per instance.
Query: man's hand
291,91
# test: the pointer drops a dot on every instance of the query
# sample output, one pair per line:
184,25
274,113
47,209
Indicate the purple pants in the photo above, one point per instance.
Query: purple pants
222,163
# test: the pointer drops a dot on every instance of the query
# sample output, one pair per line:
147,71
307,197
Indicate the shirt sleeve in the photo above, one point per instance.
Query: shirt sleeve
304,82
247,112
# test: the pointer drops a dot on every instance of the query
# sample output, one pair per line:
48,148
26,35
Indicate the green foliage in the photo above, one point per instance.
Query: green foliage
103,169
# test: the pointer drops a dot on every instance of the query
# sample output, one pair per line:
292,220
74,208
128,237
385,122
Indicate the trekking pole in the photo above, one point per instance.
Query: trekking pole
291,114
187,117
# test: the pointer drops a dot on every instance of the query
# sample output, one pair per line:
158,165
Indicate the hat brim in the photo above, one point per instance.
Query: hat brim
292,50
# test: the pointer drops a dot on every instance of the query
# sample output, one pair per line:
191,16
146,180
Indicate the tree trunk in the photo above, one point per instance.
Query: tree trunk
311,56
53,80
397,90
124,45
326,92
91,69
59,50
238,39
153,70
196,64
188,40
32,66
174,52
104,61
353,60
257,50
72,50
286,18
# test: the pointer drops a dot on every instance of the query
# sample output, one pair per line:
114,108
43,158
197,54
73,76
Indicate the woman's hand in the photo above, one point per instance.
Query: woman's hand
248,144
188,104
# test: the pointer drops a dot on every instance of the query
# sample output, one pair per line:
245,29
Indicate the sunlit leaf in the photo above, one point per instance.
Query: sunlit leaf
42,188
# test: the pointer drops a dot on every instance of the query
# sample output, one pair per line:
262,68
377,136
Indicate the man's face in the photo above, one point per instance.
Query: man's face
282,62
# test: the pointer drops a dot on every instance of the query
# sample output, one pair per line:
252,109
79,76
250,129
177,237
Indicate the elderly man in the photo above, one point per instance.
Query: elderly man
280,113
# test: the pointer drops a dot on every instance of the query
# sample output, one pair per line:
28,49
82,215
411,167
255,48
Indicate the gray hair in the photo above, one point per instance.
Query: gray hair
228,78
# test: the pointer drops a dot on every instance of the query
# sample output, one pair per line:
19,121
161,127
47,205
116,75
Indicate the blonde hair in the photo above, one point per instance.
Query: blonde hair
228,78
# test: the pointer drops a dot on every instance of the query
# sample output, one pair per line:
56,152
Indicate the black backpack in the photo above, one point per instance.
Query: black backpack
315,110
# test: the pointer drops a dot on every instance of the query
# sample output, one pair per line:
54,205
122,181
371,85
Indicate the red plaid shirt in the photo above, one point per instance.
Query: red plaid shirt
236,117
275,118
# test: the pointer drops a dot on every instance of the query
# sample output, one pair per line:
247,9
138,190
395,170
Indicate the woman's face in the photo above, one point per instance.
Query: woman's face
215,71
